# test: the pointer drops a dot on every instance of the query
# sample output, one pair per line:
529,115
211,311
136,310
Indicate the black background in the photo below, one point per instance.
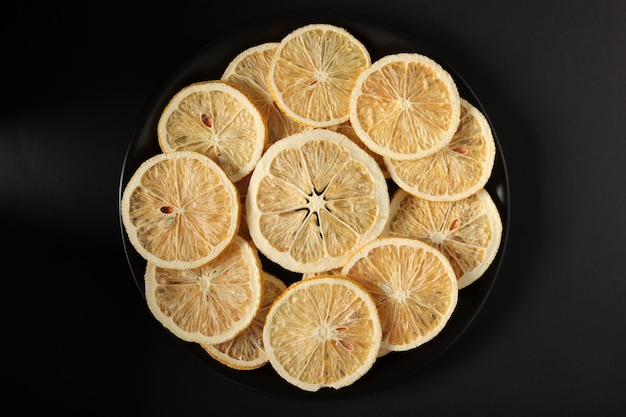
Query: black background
78,337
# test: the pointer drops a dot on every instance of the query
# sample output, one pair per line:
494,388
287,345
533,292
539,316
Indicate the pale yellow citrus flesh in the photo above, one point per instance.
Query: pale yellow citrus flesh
313,72
249,71
218,120
467,231
211,303
180,210
405,106
246,351
347,129
322,332
313,198
414,287
460,169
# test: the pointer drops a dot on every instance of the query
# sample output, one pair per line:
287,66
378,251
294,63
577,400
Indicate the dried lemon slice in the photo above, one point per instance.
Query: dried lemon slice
211,303
414,287
314,198
313,72
218,120
180,210
405,106
322,332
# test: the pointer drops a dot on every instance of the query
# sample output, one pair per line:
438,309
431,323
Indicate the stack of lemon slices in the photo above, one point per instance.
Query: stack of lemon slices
288,159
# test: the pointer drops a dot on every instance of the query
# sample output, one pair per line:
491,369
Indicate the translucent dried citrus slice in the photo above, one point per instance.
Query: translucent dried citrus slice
313,72
322,332
246,351
405,106
218,120
313,198
180,210
248,71
466,231
211,303
414,287
458,170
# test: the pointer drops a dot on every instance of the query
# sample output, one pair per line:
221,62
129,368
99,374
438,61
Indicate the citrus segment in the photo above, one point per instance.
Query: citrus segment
322,332
180,210
313,198
218,120
414,287
249,71
346,128
246,351
456,171
313,72
211,303
466,231
405,106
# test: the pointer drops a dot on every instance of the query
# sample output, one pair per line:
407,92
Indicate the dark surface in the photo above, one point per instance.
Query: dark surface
549,340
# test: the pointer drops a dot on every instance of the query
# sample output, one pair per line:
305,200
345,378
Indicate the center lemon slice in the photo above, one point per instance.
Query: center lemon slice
313,199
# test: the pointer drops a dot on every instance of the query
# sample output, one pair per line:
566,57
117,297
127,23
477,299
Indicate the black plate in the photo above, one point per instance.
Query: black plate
208,63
